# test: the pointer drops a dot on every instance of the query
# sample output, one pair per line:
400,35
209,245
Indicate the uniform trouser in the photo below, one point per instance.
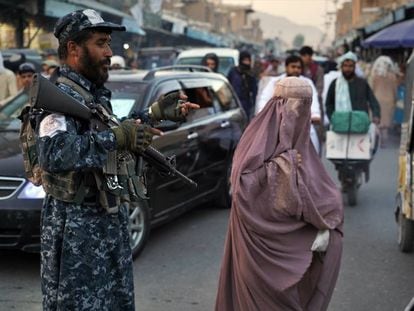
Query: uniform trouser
86,261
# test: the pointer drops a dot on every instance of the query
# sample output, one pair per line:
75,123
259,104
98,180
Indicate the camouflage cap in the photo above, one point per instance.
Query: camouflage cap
76,21
26,67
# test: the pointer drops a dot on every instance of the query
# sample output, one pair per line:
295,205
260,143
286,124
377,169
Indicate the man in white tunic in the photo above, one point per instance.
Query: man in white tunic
293,65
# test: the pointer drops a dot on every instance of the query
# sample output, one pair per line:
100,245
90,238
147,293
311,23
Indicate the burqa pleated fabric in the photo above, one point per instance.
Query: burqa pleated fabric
277,209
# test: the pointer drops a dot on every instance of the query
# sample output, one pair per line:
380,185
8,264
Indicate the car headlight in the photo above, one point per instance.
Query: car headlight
31,191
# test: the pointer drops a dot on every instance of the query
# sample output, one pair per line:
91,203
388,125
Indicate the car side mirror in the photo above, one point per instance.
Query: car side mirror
167,125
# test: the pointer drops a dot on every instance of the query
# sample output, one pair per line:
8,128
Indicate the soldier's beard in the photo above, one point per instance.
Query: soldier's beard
94,70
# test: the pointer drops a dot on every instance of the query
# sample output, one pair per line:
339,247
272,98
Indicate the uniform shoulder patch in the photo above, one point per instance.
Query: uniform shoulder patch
52,125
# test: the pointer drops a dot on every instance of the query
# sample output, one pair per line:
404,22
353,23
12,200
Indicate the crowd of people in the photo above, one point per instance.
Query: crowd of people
253,80
379,84
16,75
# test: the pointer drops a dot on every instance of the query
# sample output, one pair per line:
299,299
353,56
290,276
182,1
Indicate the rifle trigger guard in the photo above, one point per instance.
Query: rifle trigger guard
112,183
172,160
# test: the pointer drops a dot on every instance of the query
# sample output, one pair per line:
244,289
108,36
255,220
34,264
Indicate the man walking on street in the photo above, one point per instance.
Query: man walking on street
26,72
293,67
313,71
86,261
8,83
244,83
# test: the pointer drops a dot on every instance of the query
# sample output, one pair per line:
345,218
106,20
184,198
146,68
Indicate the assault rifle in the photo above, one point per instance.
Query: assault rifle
46,96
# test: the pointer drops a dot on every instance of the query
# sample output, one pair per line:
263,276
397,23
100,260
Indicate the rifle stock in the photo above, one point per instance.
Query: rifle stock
45,95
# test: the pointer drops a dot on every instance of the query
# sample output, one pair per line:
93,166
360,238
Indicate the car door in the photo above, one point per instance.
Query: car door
216,128
170,193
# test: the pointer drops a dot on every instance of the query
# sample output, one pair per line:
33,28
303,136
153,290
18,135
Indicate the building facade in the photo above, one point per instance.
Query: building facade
357,19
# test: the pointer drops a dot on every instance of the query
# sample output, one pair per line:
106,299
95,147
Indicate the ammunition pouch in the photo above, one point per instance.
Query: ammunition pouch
123,187
64,186
28,146
133,184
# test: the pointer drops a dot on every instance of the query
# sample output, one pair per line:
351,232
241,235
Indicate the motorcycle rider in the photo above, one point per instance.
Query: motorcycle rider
350,92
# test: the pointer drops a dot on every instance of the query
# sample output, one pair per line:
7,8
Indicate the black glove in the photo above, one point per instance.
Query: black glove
167,108
132,136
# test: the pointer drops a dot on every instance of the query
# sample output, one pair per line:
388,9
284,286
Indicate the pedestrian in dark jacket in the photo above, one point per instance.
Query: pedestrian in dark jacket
244,83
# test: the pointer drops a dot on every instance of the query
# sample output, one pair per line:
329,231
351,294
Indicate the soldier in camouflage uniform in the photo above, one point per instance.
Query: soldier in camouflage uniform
86,261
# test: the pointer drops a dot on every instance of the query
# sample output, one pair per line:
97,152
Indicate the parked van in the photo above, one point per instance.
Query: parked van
227,57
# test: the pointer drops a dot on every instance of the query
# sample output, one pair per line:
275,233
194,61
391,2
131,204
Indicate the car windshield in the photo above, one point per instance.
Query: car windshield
152,61
126,97
13,107
225,63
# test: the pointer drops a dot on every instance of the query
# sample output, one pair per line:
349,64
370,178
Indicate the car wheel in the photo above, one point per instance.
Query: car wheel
224,200
139,227
405,233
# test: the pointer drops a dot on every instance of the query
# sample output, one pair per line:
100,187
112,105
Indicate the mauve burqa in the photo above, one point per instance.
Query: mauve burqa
278,207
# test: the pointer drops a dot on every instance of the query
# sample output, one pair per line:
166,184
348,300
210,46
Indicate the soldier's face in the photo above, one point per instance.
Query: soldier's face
95,58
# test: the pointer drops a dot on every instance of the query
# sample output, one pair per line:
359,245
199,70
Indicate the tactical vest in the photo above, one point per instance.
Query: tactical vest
28,145
120,181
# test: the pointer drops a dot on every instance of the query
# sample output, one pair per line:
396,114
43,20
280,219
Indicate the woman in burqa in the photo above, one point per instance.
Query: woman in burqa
284,241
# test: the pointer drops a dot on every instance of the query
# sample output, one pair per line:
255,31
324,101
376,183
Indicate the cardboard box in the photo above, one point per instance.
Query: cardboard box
348,146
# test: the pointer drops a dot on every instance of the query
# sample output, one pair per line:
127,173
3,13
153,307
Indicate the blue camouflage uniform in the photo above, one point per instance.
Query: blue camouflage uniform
86,261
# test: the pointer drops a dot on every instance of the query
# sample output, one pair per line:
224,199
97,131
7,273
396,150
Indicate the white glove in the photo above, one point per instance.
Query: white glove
321,242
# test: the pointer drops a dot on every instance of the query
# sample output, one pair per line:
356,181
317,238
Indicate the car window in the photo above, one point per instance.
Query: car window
203,96
151,61
12,109
224,94
225,63
163,88
126,96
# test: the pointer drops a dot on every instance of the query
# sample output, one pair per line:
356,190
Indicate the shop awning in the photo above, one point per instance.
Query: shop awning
204,35
395,36
58,9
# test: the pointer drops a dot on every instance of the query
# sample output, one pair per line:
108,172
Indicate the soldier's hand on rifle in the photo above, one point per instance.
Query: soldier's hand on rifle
173,106
134,136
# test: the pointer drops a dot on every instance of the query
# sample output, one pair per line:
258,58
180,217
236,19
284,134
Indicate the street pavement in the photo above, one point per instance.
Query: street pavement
179,268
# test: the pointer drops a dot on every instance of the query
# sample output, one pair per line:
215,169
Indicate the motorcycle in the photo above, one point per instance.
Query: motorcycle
351,154
351,175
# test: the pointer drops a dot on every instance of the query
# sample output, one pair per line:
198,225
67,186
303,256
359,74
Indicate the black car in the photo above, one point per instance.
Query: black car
203,147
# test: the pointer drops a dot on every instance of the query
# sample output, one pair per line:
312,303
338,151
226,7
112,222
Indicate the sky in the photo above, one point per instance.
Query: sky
308,12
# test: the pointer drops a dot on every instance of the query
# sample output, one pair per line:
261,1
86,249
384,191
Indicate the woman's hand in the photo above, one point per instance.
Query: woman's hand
298,159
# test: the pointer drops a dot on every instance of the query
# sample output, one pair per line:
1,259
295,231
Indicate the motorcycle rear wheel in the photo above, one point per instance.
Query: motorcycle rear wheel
352,191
